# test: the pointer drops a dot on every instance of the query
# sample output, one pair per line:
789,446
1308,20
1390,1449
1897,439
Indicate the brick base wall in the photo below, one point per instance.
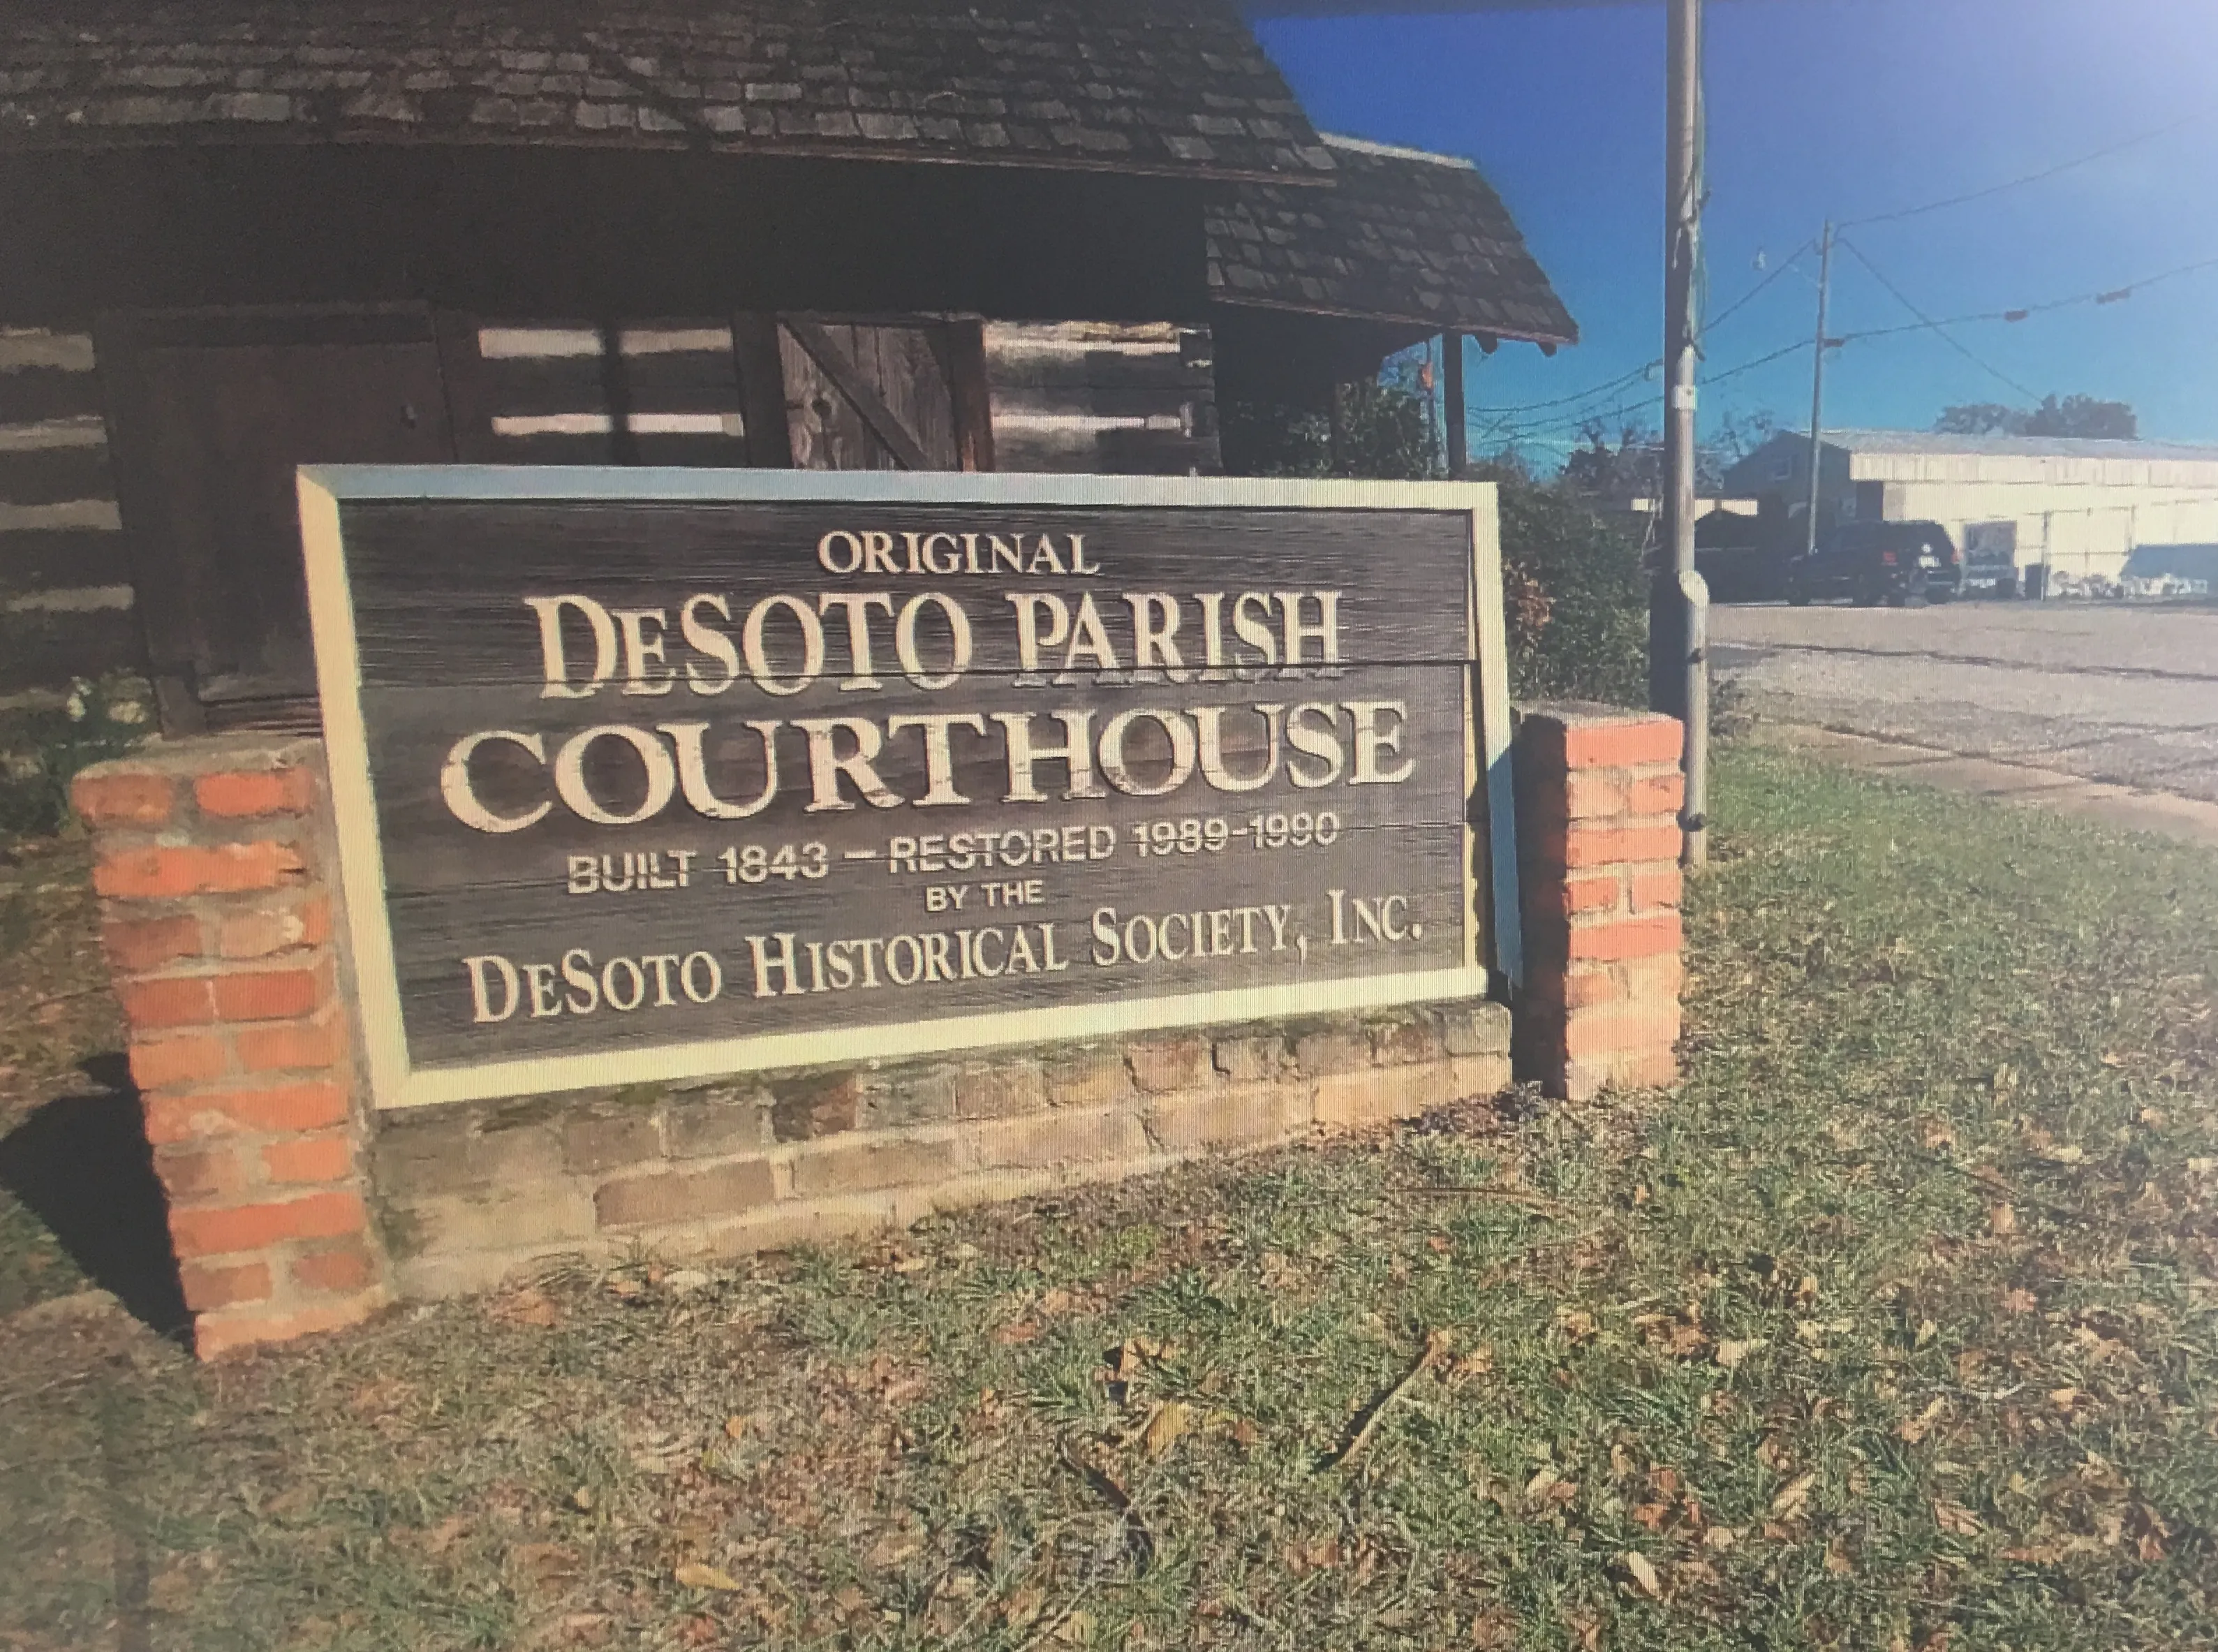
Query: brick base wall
467,1194
211,865
294,1207
1598,837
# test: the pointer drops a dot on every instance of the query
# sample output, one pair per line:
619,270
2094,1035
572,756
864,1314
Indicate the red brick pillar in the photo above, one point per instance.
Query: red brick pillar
209,858
1598,796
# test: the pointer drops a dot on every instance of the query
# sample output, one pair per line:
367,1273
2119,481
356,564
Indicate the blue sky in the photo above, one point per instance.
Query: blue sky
1847,107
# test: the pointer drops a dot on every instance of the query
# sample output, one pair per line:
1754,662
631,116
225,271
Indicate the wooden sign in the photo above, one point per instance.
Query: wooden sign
646,774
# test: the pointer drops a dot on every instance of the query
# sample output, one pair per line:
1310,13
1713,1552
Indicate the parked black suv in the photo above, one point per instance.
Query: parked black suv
1872,562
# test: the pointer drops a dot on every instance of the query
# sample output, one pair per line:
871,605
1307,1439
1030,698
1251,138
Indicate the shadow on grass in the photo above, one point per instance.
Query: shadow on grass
82,1166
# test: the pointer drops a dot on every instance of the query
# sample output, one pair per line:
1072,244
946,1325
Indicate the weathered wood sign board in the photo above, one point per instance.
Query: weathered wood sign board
651,774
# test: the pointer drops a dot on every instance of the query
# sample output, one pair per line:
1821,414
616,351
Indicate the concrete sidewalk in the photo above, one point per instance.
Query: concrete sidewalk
2188,819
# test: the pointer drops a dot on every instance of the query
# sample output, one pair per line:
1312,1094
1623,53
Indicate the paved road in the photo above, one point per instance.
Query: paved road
2127,695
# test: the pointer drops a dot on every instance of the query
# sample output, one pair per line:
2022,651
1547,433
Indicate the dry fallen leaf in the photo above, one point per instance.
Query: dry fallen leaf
2015,1301
1165,1426
529,1307
694,1575
734,1427
1022,1609
1911,1430
1730,1354
1494,1630
1637,1565
2002,1221
1955,1518
1792,1495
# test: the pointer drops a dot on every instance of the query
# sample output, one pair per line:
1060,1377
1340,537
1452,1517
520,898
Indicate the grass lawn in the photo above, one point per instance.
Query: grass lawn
1892,1327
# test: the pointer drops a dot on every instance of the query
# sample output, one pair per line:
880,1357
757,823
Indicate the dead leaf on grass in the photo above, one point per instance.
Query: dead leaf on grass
695,1576
1792,1495
1494,1630
530,1307
1021,1609
1910,1430
1643,1573
1730,1354
545,1566
1956,1519
1165,1426
2019,1301
2002,1221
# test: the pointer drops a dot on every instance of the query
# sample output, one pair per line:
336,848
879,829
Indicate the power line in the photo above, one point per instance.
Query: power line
2045,173
1937,329
2109,296
1785,265
1577,421
1646,368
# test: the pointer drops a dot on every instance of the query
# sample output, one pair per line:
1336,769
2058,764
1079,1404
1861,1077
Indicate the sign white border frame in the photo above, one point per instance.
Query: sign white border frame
395,1083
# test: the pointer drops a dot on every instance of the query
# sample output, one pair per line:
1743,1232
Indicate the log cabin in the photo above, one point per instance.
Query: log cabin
963,234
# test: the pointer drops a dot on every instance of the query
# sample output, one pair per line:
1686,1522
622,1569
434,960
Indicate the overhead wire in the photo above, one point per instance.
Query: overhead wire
1507,425
1646,368
2041,176
1938,329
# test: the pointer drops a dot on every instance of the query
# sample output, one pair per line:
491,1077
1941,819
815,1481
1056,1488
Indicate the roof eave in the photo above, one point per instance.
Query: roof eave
1424,324
1200,175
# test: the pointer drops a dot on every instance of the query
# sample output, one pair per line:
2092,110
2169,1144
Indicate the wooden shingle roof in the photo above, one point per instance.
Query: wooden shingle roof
1176,87
1402,236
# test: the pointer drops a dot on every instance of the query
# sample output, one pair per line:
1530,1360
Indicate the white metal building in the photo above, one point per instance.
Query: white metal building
2078,509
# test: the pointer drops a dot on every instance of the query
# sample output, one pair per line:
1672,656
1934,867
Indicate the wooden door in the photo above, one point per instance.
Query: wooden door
211,426
870,395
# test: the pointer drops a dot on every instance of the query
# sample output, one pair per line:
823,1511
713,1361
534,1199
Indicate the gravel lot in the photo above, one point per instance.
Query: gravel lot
2111,692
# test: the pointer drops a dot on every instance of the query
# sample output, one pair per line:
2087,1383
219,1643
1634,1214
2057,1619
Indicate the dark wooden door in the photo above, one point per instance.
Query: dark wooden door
883,396
214,433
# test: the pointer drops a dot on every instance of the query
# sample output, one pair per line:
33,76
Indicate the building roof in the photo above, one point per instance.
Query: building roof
2015,447
1403,236
1170,86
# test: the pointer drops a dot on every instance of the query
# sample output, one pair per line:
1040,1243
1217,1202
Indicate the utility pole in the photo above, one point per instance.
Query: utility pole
1818,385
1678,670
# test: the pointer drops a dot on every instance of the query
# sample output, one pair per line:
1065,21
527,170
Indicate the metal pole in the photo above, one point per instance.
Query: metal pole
1452,364
1677,676
1818,386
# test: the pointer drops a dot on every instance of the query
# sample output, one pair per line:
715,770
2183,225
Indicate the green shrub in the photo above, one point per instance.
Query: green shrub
1576,601
41,750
